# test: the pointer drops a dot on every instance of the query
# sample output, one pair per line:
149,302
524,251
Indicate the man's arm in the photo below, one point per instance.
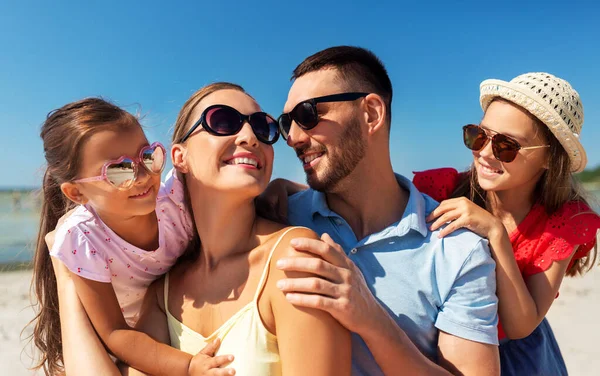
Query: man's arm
482,359
468,317
342,292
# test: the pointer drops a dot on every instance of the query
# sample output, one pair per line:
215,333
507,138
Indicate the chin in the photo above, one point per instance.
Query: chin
488,185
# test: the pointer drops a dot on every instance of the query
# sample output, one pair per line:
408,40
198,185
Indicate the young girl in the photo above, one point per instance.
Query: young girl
521,195
125,231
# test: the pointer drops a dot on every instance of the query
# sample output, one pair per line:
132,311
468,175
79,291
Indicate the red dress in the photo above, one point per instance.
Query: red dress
539,239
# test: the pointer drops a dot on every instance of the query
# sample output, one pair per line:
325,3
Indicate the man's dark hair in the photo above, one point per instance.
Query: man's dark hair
358,67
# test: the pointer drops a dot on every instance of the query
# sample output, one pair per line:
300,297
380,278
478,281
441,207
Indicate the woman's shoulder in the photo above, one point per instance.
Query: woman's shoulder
281,239
438,183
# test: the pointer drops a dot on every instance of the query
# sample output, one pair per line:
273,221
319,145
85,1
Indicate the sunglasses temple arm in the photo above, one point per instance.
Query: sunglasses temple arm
85,180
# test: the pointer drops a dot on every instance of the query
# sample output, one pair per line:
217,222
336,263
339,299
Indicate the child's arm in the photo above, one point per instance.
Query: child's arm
153,321
522,305
83,353
135,348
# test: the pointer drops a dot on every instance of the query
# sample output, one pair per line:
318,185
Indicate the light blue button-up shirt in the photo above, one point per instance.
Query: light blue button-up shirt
427,284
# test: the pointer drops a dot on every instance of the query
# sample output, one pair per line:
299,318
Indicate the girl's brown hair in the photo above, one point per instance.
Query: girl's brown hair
64,134
555,187
180,128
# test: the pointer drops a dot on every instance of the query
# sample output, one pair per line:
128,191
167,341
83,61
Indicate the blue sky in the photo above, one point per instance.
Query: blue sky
149,56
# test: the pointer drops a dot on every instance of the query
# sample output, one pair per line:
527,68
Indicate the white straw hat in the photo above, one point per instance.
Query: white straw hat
552,100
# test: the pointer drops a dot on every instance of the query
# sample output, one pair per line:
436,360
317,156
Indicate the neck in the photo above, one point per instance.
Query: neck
512,206
140,231
225,223
369,199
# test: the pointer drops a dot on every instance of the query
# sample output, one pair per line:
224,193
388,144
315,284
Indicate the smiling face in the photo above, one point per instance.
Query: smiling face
110,145
332,150
524,172
239,162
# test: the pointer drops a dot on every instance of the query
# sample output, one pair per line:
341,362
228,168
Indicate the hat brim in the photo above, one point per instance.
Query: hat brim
490,89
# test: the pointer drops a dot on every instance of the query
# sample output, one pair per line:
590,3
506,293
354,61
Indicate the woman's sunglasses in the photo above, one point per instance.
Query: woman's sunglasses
305,113
123,172
222,120
505,148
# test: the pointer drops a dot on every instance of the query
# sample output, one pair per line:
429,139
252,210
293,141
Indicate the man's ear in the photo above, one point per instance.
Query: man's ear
375,113
71,190
179,158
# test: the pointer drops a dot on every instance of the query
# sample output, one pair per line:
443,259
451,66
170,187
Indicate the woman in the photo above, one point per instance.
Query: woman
225,288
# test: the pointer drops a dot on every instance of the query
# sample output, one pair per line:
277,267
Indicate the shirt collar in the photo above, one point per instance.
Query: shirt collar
412,219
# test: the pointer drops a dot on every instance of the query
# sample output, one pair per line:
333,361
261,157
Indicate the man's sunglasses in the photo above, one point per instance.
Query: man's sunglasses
222,120
505,148
305,113
123,172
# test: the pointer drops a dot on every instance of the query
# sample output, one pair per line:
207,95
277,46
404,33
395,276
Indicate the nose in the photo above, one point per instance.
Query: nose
487,151
246,136
297,136
142,176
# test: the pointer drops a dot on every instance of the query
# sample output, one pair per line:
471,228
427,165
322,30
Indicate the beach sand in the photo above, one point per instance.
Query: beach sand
572,317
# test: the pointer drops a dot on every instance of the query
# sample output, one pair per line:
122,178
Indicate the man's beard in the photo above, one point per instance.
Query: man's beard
350,151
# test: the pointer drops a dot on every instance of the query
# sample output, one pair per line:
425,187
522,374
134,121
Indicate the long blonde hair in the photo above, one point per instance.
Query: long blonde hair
180,128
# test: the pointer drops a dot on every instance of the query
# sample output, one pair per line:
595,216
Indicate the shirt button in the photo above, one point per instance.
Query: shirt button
338,221
353,251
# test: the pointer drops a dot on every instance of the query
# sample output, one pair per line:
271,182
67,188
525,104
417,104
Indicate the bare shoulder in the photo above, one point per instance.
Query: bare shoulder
285,236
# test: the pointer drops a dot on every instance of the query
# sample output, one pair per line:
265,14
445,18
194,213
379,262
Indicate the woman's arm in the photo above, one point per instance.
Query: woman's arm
311,342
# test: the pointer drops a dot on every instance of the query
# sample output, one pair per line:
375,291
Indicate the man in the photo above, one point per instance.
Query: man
417,304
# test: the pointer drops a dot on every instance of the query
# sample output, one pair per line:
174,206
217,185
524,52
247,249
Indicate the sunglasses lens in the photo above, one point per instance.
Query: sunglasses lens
285,123
265,127
223,120
474,137
505,148
154,159
305,114
121,174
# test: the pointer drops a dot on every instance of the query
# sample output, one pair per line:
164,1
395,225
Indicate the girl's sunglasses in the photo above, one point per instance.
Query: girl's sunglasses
123,172
505,148
222,120
305,113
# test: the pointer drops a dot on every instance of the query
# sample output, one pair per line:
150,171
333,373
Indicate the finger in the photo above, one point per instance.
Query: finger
442,208
309,285
319,248
311,265
443,219
329,240
211,347
312,301
452,226
221,372
219,361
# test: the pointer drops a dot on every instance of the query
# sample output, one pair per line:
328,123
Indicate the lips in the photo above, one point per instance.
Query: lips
489,170
143,193
310,157
244,159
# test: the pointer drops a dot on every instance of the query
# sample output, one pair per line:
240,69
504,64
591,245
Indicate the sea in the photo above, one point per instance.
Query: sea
19,224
